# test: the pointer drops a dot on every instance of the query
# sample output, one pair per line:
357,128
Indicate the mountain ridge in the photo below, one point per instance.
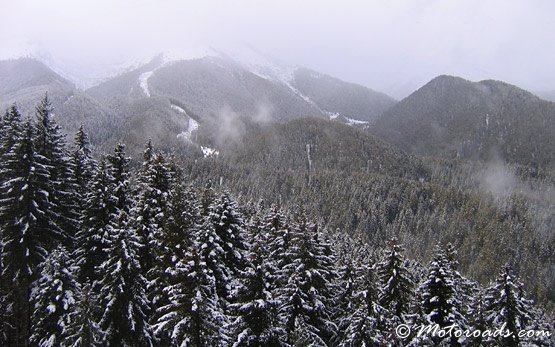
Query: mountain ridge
456,118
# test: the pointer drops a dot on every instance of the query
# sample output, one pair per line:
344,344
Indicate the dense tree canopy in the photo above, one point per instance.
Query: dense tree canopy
159,258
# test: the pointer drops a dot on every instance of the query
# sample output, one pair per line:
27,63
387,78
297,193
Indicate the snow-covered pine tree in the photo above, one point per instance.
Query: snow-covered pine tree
50,143
228,224
254,308
82,163
266,233
124,302
55,294
476,318
178,230
153,185
395,281
507,307
307,296
280,244
439,299
118,165
82,329
345,294
272,221
253,221
10,130
207,199
28,227
10,134
99,210
365,323
465,289
210,248
193,316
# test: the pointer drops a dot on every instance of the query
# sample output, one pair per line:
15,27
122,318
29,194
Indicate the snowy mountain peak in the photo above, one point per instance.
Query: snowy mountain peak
247,57
259,63
188,53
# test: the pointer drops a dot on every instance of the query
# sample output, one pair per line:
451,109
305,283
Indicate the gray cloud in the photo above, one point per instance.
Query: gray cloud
393,46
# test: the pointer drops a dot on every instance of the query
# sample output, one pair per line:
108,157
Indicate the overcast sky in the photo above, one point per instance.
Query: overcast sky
390,45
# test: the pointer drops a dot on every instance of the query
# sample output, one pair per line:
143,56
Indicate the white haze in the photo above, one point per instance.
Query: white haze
392,46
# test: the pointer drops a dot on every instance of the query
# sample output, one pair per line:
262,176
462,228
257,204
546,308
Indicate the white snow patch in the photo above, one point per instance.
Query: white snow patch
209,152
192,127
169,57
333,115
179,109
353,122
259,64
301,95
190,53
51,308
143,81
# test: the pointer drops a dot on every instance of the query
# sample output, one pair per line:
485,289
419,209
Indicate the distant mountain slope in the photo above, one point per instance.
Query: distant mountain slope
211,84
108,118
150,101
339,97
26,80
456,118
312,145
125,85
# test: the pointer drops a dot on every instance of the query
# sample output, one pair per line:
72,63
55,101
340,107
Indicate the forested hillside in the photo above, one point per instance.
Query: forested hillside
341,98
101,251
455,118
494,214
159,98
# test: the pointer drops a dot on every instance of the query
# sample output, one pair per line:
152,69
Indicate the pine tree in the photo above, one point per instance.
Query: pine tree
178,230
82,329
364,322
439,298
507,308
51,144
100,208
10,130
28,227
210,249
307,296
118,164
477,320
395,280
10,134
465,289
272,221
229,226
255,309
280,244
124,301
55,295
82,163
253,220
344,296
154,182
193,316
207,199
